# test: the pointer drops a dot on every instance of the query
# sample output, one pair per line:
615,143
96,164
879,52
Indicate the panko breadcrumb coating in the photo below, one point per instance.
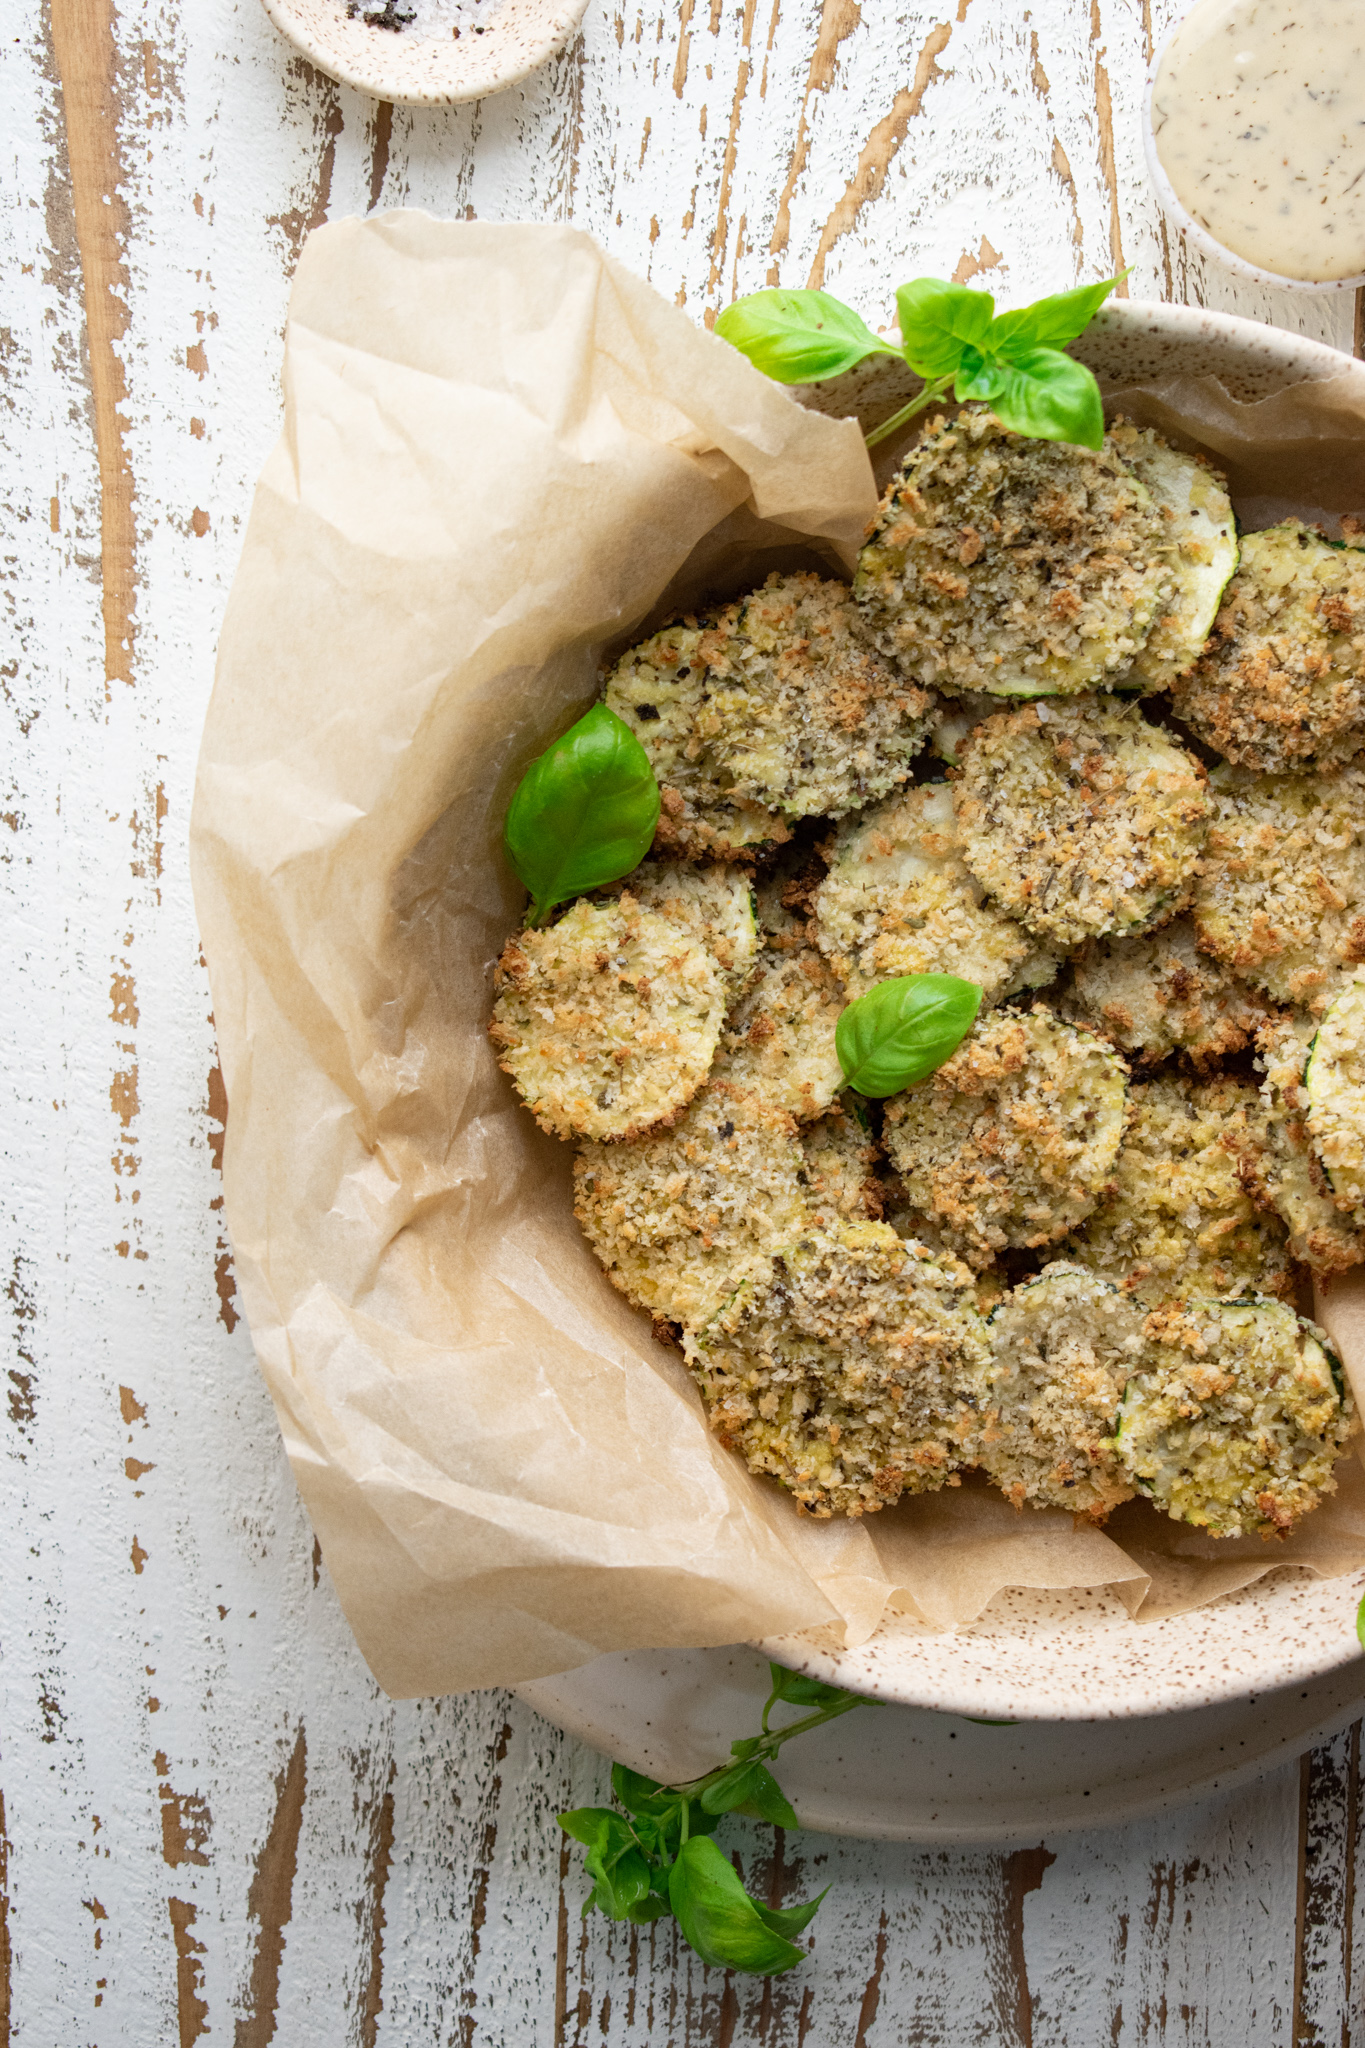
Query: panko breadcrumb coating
1200,542
1179,1220
1010,565
1281,888
1282,684
840,1177
900,899
772,709
1236,1418
852,1376
1334,1083
608,1021
1062,1348
1081,818
680,1221
957,716
1276,1159
714,904
1013,1140
1159,994
779,1041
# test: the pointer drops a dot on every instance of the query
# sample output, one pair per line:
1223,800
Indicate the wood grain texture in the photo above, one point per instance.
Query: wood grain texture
213,1826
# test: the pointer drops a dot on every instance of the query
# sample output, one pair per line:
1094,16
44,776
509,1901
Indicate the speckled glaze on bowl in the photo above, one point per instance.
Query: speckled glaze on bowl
1078,1655
520,36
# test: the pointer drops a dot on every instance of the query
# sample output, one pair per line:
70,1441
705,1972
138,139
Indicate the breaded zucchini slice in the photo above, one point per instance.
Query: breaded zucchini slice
954,718
1282,685
1159,994
1237,1416
714,904
840,1170
1081,818
852,1377
681,1220
772,710
1013,1140
900,899
1179,1220
1334,1083
608,1021
1023,568
778,1043
1200,542
1281,889
1062,1348
1278,1164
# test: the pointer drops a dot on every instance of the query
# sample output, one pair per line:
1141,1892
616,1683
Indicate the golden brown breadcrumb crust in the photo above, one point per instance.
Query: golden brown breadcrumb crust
1160,994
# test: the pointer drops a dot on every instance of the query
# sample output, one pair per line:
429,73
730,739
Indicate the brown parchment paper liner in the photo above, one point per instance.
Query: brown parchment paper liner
501,455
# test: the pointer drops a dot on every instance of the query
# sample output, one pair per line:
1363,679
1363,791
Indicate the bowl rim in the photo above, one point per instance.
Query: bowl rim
1171,204
564,17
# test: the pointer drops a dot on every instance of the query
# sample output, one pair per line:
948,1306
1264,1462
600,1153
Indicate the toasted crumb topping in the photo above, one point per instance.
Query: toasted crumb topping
1013,1140
1278,1164
1281,889
608,1021
1009,565
779,1041
1062,1348
840,1170
1179,1220
771,709
1199,538
1237,1418
714,904
683,1219
1081,818
1159,994
1334,1082
852,1377
900,899
1282,684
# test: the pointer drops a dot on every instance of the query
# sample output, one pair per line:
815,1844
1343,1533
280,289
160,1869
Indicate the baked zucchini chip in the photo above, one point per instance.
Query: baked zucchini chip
853,1376
680,1221
1200,540
1081,818
1158,995
714,904
1179,1220
1237,1416
1280,894
900,899
1019,567
840,1171
1278,1164
608,1020
955,718
778,1043
1013,1140
771,710
1334,1083
1062,1348
1282,685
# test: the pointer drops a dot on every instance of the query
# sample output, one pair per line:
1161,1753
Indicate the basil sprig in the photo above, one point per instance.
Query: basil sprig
584,812
901,1030
657,1857
951,337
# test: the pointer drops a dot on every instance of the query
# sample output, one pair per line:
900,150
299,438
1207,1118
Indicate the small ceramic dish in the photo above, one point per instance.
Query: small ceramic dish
1199,237
428,53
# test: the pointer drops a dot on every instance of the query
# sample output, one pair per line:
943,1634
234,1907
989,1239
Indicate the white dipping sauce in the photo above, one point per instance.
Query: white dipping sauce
1258,114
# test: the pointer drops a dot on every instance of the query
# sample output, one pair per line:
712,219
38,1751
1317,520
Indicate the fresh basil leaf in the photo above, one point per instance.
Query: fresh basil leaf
799,337
584,812
790,1920
799,1691
937,320
639,1794
730,1788
901,1030
720,1920
767,1801
1051,397
613,1861
1051,322
982,377
747,1747
645,1910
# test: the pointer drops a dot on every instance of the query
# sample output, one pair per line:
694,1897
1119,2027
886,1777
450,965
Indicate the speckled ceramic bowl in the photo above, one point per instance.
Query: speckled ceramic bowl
1078,1655
419,69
